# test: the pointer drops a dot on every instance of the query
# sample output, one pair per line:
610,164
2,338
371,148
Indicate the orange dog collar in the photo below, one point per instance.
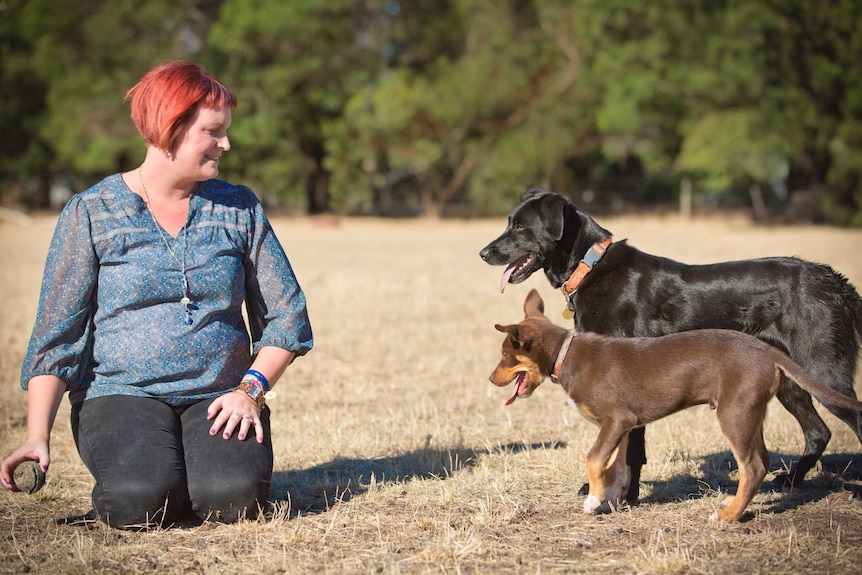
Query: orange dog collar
591,258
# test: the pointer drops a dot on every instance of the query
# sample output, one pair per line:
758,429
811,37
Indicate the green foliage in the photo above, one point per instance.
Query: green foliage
843,204
293,65
724,147
88,55
23,154
425,107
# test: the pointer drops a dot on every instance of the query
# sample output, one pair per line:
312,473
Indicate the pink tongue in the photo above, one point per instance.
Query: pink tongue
512,399
506,275
517,387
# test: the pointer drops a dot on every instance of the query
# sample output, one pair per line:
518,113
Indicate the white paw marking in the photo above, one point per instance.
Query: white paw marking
592,504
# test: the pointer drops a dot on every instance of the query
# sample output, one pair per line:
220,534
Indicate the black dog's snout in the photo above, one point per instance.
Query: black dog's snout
485,253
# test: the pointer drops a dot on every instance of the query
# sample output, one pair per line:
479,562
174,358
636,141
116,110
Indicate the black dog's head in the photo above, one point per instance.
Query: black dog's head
546,231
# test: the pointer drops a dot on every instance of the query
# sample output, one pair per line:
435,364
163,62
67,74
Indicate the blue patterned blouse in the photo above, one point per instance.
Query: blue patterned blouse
110,321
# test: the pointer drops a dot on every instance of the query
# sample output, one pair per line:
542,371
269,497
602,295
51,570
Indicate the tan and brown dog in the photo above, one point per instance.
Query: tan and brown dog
623,383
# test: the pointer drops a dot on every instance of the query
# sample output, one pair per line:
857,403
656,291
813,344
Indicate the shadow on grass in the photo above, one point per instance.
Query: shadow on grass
317,489
719,472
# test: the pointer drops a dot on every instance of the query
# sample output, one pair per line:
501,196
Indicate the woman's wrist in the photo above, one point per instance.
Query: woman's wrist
257,378
253,392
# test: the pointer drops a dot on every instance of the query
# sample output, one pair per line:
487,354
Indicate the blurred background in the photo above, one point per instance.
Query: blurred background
454,107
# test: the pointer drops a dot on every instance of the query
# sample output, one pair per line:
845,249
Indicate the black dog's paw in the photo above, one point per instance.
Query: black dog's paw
783,481
584,490
855,491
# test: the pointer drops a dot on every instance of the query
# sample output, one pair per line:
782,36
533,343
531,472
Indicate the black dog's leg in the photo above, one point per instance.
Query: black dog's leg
817,435
635,459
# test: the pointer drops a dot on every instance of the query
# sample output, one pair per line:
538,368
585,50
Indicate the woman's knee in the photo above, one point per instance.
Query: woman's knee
230,499
141,502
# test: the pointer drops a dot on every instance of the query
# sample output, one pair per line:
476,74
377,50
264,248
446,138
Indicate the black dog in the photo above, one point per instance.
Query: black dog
807,310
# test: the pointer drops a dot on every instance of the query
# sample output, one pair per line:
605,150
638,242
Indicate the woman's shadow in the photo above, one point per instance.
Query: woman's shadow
317,489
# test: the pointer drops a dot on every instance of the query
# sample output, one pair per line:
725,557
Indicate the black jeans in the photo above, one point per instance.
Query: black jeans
158,464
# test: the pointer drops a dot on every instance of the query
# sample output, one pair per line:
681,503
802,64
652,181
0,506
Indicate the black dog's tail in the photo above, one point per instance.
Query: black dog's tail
854,302
821,391
857,304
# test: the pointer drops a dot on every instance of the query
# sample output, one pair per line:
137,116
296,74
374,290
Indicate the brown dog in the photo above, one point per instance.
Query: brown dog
623,383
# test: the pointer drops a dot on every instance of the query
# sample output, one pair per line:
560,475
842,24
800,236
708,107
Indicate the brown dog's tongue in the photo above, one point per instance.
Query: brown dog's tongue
512,399
518,381
506,275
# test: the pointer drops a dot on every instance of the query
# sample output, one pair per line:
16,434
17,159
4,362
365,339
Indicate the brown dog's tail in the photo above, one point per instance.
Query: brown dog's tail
821,391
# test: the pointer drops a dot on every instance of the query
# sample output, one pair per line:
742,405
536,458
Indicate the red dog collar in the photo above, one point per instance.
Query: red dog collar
591,258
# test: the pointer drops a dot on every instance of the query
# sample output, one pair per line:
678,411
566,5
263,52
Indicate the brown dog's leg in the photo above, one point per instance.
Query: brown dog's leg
606,450
617,476
746,442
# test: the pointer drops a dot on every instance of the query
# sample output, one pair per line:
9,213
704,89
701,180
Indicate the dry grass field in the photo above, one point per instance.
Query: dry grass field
394,454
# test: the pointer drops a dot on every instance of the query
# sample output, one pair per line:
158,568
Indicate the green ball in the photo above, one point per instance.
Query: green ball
29,477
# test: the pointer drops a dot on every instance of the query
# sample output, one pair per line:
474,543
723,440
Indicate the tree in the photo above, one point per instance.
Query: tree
476,120
435,107
23,154
86,56
293,64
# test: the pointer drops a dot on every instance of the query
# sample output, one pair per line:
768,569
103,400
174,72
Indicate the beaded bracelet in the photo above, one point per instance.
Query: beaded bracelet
254,392
259,377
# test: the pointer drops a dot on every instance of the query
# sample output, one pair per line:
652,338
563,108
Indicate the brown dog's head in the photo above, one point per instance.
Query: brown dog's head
525,358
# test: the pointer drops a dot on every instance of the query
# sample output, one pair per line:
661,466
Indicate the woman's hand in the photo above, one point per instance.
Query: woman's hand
32,450
235,411
44,393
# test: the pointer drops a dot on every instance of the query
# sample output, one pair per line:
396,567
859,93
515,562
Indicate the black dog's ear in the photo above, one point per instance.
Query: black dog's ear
533,192
552,212
534,305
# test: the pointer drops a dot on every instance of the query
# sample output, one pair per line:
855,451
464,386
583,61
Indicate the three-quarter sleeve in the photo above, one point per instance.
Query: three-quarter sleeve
61,339
275,302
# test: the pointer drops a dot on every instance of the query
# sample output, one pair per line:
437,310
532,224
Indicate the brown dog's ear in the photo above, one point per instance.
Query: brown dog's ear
515,335
534,306
510,329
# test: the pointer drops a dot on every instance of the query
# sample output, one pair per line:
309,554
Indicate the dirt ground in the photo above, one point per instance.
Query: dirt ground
394,454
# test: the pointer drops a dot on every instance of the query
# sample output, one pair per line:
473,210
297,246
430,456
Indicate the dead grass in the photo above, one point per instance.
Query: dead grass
395,455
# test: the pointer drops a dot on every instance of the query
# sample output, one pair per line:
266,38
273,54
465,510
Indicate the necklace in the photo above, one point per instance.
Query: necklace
185,300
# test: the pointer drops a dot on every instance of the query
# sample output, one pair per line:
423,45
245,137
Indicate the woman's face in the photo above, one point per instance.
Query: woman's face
202,142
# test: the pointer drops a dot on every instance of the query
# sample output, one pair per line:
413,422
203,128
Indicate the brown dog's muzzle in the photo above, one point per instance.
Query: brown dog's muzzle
523,373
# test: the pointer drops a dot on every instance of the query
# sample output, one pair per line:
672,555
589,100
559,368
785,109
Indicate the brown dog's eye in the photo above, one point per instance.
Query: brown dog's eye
516,344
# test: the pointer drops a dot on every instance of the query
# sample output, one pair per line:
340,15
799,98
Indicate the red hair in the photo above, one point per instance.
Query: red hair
168,96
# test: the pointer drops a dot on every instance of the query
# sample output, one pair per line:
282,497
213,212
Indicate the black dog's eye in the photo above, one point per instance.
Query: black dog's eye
520,227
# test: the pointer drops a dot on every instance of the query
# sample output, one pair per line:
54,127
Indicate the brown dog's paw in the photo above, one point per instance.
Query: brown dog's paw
592,505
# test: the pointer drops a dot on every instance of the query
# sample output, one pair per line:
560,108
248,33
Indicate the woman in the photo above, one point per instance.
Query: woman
140,320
